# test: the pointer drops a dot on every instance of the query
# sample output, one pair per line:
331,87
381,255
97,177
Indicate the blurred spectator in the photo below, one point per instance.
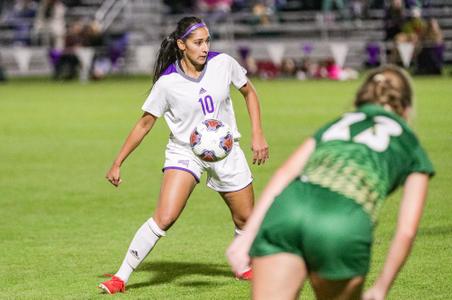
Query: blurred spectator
432,35
66,63
288,67
266,69
376,4
307,70
239,5
117,49
412,29
2,74
328,69
2,71
309,4
373,55
247,60
81,34
360,8
179,6
251,66
214,10
411,33
261,13
413,3
20,20
50,25
73,3
431,56
327,7
5,6
108,53
265,11
91,34
394,19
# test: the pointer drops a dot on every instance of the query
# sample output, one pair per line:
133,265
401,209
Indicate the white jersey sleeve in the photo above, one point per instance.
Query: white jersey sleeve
156,103
238,74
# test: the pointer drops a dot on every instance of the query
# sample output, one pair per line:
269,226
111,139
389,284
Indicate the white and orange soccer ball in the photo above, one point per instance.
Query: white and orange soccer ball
211,140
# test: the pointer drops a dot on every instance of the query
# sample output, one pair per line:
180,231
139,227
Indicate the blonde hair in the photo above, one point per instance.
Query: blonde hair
388,85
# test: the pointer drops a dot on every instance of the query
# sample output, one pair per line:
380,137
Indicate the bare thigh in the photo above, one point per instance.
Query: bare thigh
278,276
240,204
175,190
337,289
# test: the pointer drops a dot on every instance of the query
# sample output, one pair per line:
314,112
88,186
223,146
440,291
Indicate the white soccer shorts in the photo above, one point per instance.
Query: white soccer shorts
228,175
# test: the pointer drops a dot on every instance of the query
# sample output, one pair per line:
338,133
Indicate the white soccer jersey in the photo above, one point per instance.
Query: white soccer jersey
184,101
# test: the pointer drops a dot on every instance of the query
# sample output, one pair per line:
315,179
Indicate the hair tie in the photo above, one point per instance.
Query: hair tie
379,78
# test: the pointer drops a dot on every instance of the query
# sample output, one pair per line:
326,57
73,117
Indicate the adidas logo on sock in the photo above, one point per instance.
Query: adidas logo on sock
134,253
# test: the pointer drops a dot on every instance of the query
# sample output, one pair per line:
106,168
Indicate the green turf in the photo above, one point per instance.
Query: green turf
62,225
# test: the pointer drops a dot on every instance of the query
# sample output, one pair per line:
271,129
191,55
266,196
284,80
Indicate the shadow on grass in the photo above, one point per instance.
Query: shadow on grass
166,272
436,230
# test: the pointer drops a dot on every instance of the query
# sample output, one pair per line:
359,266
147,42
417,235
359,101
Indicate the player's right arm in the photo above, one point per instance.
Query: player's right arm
411,207
237,253
134,138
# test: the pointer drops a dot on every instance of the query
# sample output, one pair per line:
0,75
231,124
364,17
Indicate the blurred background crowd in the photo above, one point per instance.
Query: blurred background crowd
272,38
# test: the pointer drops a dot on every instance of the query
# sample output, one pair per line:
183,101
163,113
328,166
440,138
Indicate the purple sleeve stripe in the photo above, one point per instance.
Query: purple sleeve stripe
182,169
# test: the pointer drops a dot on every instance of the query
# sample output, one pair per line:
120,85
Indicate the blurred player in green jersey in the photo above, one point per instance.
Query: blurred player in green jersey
316,216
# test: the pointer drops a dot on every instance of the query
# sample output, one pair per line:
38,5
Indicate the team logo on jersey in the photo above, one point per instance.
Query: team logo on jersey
212,124
202,91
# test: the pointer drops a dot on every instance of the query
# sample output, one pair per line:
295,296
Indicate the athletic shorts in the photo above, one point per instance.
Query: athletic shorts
228,175
330,232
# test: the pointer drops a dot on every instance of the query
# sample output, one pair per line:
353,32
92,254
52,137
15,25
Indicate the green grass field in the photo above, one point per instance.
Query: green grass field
62,225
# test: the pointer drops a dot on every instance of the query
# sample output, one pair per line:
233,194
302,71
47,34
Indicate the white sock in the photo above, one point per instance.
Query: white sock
144,240
238,232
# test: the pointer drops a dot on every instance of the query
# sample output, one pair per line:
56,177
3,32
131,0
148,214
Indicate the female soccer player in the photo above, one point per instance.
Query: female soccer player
316,216
191,84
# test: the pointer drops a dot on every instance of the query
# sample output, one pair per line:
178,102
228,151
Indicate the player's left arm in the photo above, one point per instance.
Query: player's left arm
259,144
411,207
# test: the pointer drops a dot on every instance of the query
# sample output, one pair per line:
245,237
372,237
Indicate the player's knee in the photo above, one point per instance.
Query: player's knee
240,221
356,282
164,221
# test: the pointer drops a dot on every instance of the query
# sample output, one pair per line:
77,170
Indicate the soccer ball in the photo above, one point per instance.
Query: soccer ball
211,140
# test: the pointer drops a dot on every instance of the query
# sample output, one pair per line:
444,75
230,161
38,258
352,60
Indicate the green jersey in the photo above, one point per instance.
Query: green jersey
365,155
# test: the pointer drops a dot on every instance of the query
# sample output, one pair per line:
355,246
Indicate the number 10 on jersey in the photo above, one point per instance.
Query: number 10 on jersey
207,104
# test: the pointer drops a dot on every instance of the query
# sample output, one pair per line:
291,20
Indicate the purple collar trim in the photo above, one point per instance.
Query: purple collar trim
175,68
179,70
211,55
170,69
191,29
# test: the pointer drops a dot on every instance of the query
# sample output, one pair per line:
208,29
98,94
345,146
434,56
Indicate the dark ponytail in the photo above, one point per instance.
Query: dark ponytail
169,52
